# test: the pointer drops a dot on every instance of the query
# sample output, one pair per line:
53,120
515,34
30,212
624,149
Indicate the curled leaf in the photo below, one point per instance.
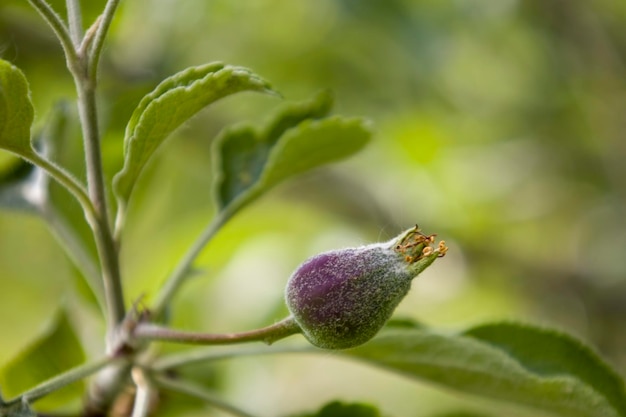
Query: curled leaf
169,105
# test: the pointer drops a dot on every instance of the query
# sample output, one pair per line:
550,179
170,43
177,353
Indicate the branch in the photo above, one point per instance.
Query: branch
107,250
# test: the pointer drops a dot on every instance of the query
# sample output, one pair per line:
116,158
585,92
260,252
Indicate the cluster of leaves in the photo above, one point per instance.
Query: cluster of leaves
521,364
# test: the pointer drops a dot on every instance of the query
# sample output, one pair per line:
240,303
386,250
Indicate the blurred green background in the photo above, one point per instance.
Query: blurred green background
498,125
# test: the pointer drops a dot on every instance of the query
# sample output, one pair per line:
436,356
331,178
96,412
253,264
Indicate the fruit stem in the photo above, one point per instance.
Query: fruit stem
268,335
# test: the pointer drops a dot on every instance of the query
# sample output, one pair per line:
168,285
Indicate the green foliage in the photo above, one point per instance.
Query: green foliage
517,363
548,353
340,409
298,139
172,103
242,152
312,144
56,350
16,110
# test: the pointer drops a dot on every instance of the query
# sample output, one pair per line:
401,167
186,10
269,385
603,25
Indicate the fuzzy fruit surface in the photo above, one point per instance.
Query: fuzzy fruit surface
342,298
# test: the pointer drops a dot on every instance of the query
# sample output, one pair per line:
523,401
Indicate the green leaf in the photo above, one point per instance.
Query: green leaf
16,110
242,151
57,350
339,409
173,102
25,187
314,143
526,365
551,354
250,162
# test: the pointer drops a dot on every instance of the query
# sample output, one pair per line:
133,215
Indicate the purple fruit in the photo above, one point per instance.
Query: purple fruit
342,298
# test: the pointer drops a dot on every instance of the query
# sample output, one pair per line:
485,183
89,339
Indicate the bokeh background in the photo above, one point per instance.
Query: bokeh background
498,125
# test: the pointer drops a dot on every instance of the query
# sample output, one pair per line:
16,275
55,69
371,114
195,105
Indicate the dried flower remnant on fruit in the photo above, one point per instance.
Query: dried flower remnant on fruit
342,298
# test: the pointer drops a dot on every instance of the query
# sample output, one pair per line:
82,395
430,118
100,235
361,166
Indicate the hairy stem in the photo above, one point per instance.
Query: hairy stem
107,250
112,380
75,20
85,76
58,27
269,334
181,271
66,180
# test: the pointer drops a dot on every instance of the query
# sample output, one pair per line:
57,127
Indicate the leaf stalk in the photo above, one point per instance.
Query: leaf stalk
182,269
